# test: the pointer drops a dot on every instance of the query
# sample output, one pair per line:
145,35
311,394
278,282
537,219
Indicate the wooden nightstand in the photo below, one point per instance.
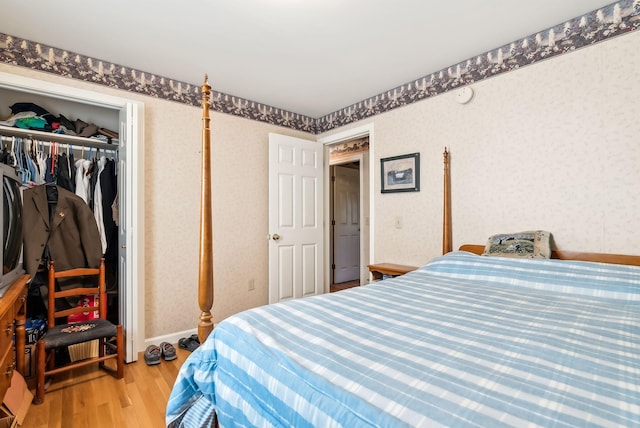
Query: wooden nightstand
391,269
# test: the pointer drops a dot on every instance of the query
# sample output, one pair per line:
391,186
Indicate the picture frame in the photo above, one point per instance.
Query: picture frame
400,173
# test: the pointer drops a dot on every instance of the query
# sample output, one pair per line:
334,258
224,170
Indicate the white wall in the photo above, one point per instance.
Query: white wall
551,146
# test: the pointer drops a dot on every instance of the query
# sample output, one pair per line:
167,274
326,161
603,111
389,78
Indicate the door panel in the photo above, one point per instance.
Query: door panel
295,218
285,195
309,202
310,270
347,224
123,226
285,271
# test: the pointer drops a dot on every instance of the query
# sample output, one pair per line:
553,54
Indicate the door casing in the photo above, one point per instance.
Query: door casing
360,131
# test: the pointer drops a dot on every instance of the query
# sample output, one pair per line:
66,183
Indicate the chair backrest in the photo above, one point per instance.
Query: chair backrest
88,289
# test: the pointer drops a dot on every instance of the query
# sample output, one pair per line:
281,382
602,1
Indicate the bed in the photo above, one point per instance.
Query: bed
464,340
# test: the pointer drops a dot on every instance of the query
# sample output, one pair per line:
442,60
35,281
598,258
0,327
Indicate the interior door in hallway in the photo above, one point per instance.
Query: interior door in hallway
346,232
296,195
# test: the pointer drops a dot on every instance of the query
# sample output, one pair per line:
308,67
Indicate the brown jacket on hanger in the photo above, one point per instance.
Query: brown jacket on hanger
71,234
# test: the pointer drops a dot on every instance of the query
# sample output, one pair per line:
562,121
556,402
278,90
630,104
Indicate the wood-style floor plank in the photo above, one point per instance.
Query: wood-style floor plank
75,399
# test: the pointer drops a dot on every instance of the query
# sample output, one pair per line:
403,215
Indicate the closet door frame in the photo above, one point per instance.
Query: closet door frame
131,150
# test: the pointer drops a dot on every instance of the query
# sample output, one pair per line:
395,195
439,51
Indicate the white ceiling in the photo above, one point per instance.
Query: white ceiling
311,57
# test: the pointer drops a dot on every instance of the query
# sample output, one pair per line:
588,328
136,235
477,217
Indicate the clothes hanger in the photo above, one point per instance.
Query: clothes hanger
14,162
50,188
22,169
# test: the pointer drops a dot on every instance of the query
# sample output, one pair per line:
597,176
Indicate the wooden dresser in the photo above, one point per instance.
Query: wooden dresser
13,316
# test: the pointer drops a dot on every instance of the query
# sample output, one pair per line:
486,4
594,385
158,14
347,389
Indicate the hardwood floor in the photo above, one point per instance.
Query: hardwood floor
344,285
96,399
89,397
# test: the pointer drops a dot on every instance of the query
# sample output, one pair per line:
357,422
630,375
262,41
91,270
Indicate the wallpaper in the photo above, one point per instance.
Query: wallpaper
618,18
552,147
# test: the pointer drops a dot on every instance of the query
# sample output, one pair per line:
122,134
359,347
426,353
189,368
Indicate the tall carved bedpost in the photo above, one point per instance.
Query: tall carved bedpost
446,220
205,272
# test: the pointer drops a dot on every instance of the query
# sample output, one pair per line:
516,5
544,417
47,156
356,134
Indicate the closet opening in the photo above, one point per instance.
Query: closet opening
73,165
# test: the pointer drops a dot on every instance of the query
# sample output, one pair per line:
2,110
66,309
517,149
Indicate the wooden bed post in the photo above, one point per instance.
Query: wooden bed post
446,220
205,270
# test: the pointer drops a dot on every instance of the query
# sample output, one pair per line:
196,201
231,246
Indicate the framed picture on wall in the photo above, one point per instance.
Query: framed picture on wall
400,173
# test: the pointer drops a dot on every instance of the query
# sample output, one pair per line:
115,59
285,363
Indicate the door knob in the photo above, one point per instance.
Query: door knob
275,237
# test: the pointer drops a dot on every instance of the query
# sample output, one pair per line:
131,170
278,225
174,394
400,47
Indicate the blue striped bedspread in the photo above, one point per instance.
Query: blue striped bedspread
464,341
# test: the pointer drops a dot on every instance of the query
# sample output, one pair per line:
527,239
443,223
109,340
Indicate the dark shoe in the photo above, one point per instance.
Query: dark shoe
189,343
152,355
168,351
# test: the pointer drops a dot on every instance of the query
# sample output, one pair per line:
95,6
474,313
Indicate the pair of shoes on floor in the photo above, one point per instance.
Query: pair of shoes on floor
190,343
153,353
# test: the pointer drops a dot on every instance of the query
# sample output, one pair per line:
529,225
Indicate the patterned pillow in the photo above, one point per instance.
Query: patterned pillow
533,244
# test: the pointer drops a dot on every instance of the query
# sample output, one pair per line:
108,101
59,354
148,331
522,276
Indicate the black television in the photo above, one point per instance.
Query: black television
12,233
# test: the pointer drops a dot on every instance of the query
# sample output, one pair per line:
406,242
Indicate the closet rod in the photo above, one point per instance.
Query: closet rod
105,148
6,131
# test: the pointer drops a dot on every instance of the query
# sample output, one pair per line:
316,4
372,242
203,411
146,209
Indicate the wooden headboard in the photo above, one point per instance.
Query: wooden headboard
620,259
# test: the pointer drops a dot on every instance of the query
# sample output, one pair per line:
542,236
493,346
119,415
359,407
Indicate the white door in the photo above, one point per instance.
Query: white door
346,232
123,224
127,293
295,218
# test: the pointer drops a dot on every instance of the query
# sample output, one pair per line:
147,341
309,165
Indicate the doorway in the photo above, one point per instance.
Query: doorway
344,206
367,212
353,145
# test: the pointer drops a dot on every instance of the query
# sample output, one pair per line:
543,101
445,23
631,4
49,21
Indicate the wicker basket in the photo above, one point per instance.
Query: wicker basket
81,351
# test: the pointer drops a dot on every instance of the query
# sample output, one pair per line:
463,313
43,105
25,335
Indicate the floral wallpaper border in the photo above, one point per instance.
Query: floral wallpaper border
602,24
348,148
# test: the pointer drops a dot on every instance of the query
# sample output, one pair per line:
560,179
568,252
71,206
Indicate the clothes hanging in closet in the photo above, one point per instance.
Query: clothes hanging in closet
107,183
97,203
67,229
83,172
85,177
93,180
63,174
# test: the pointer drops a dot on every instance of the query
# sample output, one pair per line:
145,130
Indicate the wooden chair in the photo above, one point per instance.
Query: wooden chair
64,335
